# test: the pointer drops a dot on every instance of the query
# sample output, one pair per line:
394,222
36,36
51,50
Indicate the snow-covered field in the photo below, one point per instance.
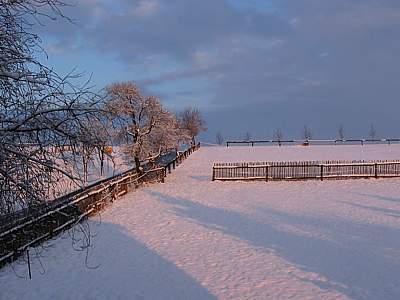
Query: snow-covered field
192,238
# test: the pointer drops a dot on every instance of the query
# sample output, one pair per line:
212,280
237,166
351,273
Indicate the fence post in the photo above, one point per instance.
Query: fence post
29,263
376,170
322,172
163,174
266,173
227,144
213,175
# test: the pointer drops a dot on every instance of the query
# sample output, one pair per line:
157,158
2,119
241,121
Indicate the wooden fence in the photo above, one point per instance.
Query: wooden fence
34,226
305,170
313,142
180,157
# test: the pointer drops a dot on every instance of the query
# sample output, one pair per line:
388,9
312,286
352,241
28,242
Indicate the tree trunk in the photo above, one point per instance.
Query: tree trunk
137,165
102,162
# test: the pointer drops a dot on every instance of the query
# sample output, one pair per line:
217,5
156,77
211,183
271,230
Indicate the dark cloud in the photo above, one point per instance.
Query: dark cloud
321,62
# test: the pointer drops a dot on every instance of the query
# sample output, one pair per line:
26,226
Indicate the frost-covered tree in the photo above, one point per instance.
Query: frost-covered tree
278,136
45,119
372,132
142,124
247,136
192,121
166,135
219,138
307,135
341,132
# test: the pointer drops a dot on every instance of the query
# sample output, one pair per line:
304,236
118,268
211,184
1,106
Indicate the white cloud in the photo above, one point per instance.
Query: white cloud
146,8
54,49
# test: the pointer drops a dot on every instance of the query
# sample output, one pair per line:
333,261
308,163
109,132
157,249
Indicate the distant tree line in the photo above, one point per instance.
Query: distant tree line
306,134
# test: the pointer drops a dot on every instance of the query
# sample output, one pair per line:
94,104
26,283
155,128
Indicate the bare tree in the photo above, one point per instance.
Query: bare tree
278,136
341,132
192,121
219,138
141,123
247,136
45,119
307,135
372,132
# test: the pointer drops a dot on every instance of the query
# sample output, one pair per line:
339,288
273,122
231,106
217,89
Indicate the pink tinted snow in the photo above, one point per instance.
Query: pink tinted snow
192,238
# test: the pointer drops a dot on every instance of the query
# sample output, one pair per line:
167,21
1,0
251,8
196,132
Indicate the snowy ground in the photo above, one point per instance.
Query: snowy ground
191,238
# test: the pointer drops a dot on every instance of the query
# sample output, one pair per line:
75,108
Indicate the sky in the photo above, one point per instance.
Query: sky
248,65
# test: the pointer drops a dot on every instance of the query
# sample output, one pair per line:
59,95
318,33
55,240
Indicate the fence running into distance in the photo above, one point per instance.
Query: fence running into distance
313,142
32,227
303,170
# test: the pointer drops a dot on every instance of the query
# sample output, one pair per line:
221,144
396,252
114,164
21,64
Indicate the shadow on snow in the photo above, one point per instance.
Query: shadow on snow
126,270
357,259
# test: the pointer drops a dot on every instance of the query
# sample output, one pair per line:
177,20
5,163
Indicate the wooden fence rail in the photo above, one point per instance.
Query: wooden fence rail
314,142
39,225
305,170
180,157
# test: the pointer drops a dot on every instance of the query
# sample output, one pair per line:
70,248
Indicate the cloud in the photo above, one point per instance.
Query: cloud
322,55
146,8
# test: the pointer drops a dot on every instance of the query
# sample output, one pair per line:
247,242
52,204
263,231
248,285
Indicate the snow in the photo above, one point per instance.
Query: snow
302,153
191,238
111,167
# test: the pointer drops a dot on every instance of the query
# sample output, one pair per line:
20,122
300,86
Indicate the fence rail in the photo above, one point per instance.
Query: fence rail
314,142
180,157
34,226
321,170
